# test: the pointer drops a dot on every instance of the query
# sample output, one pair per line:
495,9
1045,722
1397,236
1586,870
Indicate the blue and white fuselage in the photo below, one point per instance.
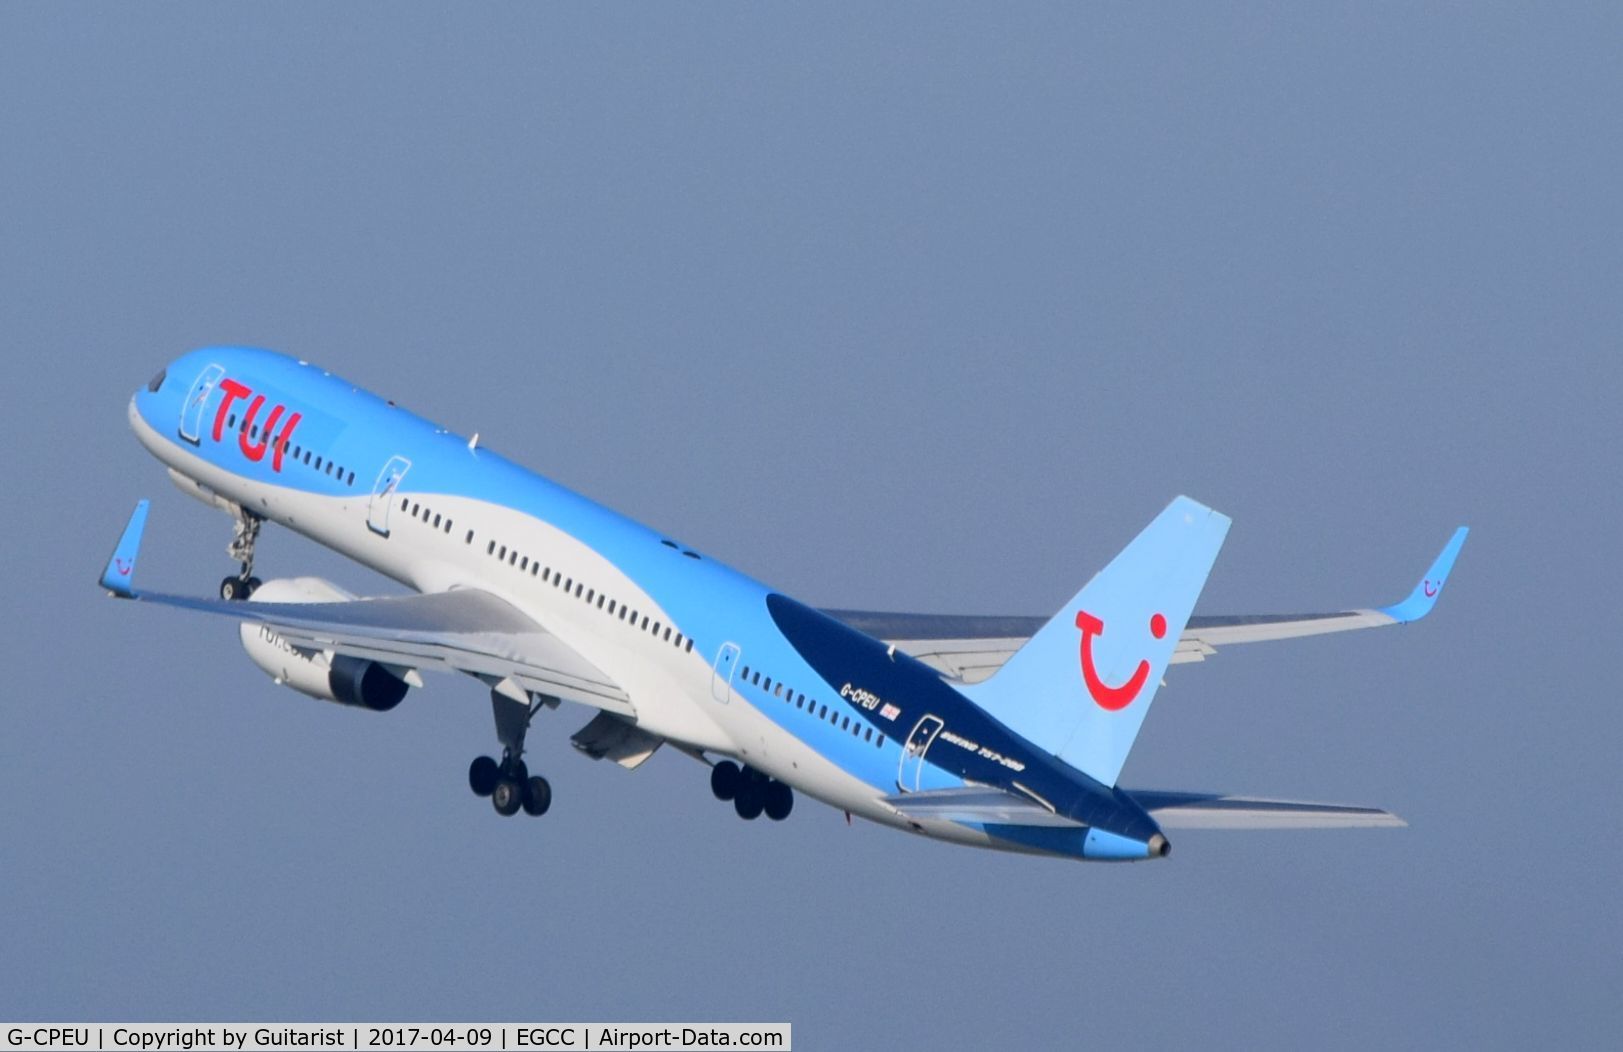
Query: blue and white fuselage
708,659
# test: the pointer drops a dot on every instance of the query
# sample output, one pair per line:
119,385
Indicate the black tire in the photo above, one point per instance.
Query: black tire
748,803
507,797
483,774
516,770
537,796
724,780
231,589
251,586
780,800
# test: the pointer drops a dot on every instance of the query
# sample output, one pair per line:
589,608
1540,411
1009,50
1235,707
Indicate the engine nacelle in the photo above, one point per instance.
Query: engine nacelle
318,673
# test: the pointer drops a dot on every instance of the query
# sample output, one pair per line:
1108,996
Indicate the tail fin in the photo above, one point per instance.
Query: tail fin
1082,685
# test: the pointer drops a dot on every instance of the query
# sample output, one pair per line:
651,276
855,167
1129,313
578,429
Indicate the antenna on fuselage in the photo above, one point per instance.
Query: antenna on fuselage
473,443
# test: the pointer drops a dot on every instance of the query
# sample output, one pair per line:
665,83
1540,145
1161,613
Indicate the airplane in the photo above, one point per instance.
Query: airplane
998,732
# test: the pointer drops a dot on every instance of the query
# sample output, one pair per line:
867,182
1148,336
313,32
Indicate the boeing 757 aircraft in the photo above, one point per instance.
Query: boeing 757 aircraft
999,732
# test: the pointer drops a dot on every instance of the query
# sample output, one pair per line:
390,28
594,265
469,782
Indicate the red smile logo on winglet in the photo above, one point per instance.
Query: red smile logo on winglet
1431,589
1112,699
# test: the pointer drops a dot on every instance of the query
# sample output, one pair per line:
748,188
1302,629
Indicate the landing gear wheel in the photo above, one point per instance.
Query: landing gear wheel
780,800
251,586
483,774
233,588
537,796
748,802
515,770
724,780
507,797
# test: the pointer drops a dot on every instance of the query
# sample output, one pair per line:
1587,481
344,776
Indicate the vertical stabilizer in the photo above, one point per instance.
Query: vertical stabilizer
1082,685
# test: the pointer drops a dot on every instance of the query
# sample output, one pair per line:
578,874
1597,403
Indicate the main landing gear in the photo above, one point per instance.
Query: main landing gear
243,536
751,792
508,782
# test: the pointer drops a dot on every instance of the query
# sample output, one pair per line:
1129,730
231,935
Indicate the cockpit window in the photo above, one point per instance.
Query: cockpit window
157,381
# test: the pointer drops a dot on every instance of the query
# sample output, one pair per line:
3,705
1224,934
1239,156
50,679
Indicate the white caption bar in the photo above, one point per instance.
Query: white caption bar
393,1037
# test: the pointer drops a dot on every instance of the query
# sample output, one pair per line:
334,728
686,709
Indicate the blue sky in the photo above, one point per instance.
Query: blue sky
918,307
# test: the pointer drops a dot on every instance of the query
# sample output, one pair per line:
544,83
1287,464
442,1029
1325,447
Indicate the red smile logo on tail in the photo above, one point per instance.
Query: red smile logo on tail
1112,699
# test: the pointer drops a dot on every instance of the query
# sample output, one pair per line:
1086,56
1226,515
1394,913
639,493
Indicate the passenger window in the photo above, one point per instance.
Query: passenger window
678,640
611,606
470,537
779,691
404,503
667,633
436,518
352,478
868,733
690,644
600,602
512,560
318,463
503,554
756,679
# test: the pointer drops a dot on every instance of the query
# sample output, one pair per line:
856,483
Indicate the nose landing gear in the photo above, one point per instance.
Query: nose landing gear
243,536
752,792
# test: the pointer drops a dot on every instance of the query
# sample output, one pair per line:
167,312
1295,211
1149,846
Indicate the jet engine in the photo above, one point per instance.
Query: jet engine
320,673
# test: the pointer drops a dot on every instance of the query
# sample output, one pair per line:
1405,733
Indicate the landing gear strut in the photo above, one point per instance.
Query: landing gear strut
508,782
243,536
751,792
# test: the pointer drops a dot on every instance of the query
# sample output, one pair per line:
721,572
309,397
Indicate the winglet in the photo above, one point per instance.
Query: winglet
120,571
1424,596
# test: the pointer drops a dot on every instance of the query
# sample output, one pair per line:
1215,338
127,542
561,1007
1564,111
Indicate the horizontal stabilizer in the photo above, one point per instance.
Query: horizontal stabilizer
977,804
1215,811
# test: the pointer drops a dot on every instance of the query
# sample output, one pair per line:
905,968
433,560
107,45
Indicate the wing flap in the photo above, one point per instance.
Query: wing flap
464,630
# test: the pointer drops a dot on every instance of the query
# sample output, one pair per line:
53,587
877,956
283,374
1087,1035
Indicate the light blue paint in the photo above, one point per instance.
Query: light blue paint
1420,601
1042,692
119,574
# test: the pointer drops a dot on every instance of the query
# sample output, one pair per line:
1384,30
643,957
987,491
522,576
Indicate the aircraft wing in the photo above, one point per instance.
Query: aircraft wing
463,630
971,648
